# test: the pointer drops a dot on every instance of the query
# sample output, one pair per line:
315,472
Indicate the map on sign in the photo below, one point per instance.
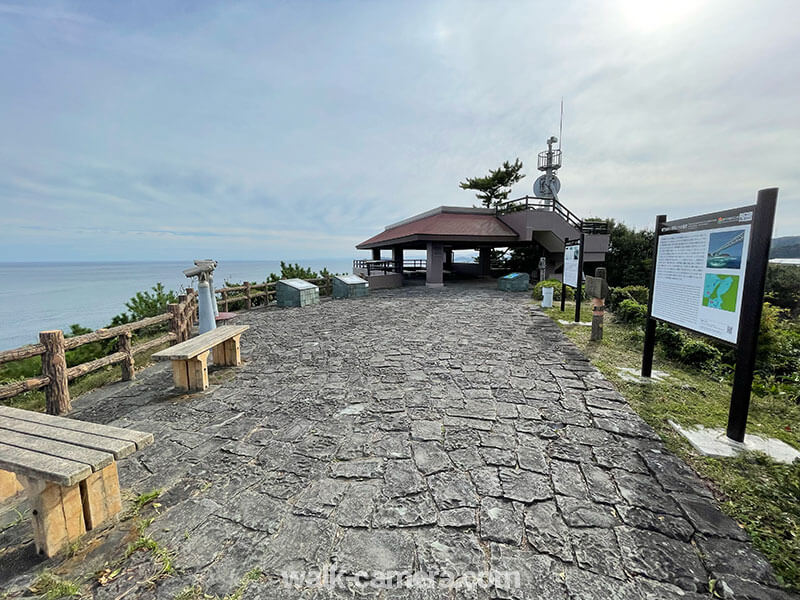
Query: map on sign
720,292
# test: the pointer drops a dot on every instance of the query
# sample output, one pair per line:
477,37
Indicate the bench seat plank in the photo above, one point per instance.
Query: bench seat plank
140,438
197,345
119,448
96,459
42,466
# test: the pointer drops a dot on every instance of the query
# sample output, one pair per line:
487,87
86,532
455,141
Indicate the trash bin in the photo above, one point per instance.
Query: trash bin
547,297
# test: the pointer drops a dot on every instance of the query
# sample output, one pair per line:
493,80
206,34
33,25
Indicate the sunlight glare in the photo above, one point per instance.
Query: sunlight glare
649,15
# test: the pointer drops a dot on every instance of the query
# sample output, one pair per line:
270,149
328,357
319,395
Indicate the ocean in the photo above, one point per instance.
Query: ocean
36,297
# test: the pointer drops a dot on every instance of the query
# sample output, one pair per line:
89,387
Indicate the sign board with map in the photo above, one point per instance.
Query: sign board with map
708,276
572,273
572,254
700,272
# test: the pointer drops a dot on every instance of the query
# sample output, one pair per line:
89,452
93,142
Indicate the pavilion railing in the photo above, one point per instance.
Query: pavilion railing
553,205
389,266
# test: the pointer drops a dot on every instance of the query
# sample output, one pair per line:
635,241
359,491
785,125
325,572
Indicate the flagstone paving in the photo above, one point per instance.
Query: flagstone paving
417,443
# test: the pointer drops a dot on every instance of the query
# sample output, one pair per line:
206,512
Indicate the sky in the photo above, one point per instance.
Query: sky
292,130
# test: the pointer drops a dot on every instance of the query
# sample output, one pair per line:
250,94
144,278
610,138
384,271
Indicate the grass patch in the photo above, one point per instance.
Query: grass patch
760,494
52,587
196,592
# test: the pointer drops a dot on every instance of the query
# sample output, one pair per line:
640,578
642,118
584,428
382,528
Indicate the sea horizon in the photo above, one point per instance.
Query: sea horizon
42,295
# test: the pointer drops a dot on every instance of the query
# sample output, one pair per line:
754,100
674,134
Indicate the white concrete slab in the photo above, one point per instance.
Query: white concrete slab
633,376
582,323
714,442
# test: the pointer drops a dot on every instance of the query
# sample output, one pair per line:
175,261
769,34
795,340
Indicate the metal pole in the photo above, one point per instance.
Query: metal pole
650,323
579,289
750,312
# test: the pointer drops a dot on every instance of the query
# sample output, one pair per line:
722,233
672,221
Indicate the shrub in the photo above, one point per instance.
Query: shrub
556,285
671,340
616,295
699,354
630,311
783,287
640,293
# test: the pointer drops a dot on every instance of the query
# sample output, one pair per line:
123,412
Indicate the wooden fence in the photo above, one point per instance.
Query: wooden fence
250,291
52,346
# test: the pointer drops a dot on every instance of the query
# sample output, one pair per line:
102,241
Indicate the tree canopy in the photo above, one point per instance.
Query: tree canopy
495,187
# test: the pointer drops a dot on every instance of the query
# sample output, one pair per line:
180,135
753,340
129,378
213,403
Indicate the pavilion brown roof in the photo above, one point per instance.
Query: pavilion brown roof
444,226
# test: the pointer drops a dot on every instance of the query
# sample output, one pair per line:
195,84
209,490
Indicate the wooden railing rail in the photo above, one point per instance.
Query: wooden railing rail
53,345
325,285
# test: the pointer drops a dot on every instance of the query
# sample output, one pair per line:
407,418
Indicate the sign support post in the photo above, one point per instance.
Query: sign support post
752,305
650,323
563,283
579,288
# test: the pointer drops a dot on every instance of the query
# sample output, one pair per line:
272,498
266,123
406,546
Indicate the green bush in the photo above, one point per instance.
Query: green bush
783,287
640,293
630,311
697,353
670,339
778,351
556,285
616,295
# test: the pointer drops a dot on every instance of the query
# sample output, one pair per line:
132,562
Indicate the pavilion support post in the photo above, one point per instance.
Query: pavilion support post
376,254
397,258
434,266
484,260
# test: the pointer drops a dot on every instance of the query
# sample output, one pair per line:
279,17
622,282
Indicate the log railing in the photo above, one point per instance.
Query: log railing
53,345
250,291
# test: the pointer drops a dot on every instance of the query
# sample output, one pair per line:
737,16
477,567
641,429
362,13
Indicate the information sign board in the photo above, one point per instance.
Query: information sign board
700,272
572,254
708,276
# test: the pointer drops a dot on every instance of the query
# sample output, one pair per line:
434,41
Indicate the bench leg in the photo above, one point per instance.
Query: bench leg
228,353
9,485
101,497
191,374
57,514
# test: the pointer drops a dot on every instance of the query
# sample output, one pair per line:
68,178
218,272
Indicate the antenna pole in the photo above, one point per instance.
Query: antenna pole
561,123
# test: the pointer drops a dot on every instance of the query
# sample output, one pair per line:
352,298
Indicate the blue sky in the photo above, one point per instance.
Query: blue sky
156,130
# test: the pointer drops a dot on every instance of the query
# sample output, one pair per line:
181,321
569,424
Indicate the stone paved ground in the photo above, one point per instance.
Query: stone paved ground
447,432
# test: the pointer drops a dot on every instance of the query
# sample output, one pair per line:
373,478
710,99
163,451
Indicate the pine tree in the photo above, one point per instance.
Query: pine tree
495,187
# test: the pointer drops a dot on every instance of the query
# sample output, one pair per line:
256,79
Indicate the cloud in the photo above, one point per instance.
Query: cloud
298,130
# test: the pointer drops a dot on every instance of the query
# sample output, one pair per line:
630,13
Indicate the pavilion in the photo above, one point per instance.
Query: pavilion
541,223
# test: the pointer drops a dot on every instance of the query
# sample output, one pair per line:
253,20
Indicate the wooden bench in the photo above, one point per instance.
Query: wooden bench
68,470
190,358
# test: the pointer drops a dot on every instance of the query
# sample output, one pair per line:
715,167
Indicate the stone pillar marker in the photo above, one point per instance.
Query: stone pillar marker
397,257
434,271
484,259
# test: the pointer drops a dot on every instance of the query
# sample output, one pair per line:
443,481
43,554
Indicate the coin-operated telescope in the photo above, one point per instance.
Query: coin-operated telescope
206,300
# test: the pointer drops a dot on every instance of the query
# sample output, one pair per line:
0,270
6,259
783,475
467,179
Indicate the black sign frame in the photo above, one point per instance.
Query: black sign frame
578,291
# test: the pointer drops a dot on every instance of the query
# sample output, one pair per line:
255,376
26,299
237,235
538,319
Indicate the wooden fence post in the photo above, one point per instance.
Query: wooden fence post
124,345
54,366
175,321
224,300
598,290
247,303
